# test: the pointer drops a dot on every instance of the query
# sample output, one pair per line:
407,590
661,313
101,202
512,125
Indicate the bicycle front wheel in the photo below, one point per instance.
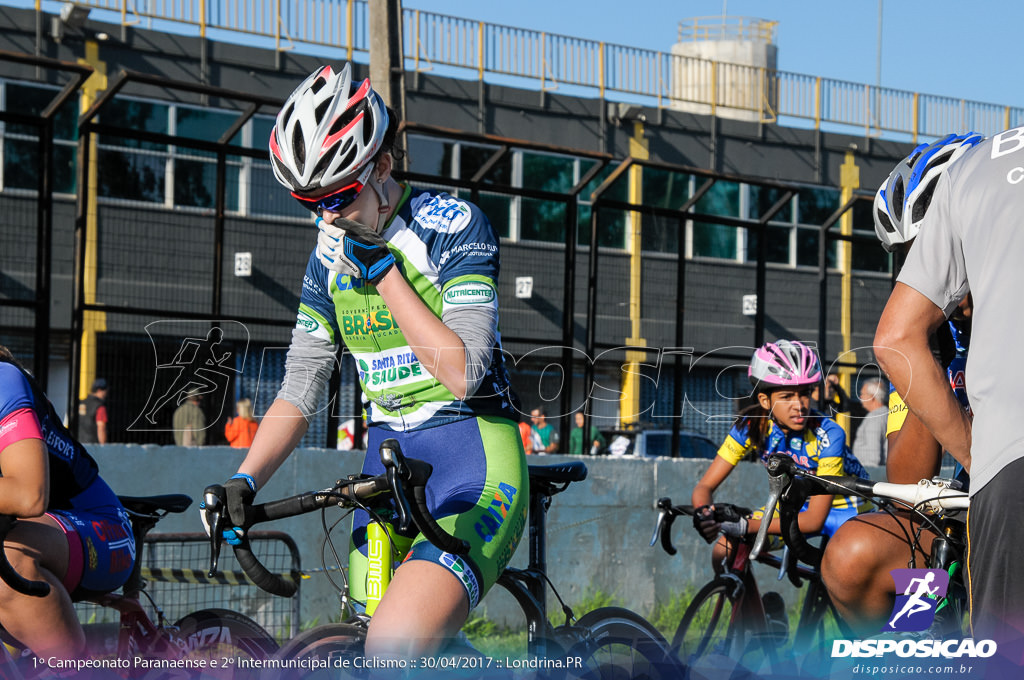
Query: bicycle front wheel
224,644
334,650
621,645
706,626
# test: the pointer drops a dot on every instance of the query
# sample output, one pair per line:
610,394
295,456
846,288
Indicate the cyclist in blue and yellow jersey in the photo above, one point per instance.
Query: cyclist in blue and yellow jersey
877,543
406,279
71,530
784,374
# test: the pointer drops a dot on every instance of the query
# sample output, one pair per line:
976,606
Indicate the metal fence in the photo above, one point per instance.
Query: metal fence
550,61
177,583
135,298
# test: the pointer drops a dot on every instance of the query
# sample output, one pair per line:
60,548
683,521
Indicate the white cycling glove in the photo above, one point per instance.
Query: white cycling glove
330,247
352,248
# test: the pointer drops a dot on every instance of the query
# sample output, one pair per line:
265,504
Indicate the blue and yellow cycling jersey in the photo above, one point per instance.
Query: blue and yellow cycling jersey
819,450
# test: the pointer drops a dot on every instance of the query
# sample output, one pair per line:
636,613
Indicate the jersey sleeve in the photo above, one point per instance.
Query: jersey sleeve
18,419
897,413
316,315
831,448
736,445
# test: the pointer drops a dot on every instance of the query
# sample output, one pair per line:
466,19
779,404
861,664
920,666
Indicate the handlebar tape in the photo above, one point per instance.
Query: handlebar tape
419,472
260,575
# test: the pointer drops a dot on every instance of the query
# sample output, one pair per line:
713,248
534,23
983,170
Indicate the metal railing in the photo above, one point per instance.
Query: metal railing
551,60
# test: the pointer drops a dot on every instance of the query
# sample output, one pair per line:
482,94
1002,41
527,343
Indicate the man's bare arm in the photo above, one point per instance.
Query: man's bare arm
901,347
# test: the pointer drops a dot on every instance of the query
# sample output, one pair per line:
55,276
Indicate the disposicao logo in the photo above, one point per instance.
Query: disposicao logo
918,593
921,589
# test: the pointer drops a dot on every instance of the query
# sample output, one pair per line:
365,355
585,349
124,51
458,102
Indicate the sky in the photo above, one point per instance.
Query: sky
970,50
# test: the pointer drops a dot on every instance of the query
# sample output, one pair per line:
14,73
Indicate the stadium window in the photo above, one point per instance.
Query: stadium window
707,239
544,220
611,223
663,189
868,255
20,142
195,170
814,206
261,194
134,169
781,231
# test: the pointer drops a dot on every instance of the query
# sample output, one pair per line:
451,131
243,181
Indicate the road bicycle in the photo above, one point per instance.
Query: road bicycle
934,504
730,621
609,642
213,642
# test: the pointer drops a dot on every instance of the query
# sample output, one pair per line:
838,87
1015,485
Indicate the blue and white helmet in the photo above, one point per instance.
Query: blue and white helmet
902,200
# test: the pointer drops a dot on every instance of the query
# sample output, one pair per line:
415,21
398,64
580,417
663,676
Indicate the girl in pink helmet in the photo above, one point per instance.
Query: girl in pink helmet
783,373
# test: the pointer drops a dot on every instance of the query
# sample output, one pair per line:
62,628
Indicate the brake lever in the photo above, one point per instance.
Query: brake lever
213,505
397,471
663,529
778,480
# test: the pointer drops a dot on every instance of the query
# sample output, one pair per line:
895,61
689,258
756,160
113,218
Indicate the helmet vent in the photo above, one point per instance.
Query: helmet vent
921,207
318,84
299,147
321,109
321,167
349,156
342,120
897,199
941,159
885,221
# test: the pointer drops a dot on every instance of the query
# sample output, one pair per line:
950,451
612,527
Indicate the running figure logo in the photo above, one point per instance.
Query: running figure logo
203,364
921,589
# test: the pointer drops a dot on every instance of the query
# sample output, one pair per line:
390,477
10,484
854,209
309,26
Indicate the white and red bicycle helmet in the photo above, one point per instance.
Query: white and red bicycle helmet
327,131
784,363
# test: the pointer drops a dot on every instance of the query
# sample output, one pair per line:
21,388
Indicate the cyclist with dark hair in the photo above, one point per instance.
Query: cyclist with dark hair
71,530
783,374
877,542
406,279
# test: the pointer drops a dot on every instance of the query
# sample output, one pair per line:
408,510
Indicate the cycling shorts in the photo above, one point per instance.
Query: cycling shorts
101,547
479,491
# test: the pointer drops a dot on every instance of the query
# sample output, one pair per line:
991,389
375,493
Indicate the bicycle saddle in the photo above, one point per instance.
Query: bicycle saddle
562,472
147,505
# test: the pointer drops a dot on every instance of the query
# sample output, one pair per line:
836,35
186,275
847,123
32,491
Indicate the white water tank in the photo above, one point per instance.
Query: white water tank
725,66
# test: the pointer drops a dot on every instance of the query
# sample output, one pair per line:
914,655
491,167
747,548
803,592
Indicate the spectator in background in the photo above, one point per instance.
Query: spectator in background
241,429
189,421
92,415
526,434
837,401
576,446
544,438
869,446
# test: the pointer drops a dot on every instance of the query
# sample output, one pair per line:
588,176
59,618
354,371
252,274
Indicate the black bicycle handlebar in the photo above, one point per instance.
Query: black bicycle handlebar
11,577
403,477
789,488
667,513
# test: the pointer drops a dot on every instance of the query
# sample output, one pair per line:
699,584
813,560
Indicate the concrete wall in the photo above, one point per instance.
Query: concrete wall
598,529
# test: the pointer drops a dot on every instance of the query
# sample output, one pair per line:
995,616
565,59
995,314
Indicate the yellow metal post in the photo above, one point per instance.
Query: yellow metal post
629,402
93,322
849,181
350,30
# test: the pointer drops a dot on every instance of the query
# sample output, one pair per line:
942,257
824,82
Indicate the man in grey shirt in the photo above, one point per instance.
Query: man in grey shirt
972,239
869,444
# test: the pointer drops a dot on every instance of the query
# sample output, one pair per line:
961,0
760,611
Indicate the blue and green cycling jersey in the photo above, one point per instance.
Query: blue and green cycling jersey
448,253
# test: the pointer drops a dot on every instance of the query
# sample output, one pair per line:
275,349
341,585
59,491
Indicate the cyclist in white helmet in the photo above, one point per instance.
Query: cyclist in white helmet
407,280
876,543
783,375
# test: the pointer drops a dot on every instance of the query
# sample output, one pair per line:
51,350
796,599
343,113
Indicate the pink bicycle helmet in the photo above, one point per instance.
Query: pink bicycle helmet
784,363
327,131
